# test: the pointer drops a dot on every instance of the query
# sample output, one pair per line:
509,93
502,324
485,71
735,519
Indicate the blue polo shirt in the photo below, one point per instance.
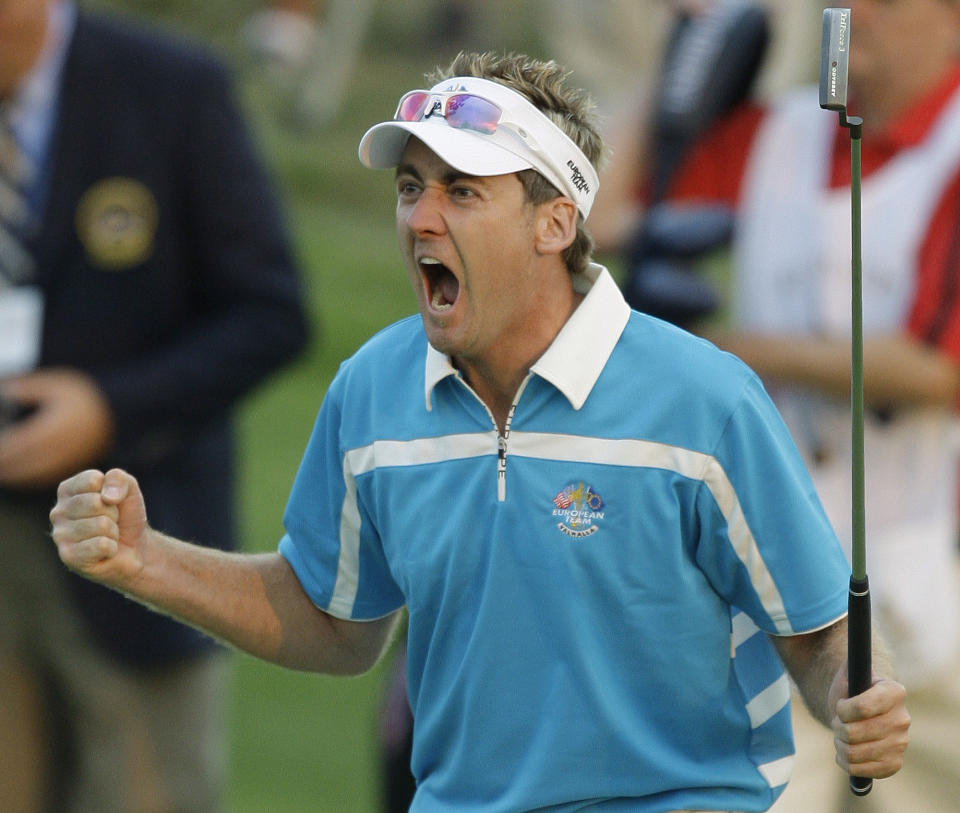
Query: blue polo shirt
589,595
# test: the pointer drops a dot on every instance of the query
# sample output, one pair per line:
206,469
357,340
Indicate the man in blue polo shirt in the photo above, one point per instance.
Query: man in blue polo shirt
599,526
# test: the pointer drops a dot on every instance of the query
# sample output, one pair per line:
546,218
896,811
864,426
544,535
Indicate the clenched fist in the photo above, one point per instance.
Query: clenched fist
100,526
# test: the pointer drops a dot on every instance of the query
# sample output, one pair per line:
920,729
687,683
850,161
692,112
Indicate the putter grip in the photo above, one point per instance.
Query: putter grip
859,655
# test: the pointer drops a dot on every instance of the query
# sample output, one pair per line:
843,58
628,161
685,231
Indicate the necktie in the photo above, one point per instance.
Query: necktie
16,172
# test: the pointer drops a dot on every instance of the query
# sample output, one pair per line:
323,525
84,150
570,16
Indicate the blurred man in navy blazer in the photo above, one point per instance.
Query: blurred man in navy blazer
147,288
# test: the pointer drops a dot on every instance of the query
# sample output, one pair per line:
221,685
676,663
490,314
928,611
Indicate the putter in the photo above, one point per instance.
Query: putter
834,64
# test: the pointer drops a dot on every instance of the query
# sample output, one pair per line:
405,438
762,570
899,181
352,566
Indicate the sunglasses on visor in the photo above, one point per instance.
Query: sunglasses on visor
465,111
529,133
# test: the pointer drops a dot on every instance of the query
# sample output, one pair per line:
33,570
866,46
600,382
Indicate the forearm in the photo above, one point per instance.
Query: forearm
254,603
897,369
222,593
814,661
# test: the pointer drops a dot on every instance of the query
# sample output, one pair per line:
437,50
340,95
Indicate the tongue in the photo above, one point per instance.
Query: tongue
448,287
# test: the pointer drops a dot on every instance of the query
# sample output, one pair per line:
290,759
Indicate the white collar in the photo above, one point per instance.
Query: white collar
576,357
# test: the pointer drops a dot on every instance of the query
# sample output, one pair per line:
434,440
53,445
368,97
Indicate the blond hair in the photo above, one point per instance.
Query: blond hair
571,109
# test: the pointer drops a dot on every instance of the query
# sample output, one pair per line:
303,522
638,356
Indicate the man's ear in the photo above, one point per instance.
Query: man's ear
556,225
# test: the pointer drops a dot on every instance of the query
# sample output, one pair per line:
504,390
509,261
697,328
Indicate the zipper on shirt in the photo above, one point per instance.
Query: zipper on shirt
501,438
501,468
502,444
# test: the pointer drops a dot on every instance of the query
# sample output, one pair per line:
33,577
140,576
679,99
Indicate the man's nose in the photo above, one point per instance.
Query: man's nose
425,215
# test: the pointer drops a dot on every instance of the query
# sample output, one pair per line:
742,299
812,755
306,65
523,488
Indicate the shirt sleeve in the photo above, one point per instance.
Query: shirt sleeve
768,546
330,541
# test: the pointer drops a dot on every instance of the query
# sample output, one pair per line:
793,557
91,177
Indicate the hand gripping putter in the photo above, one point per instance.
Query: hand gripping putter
834,63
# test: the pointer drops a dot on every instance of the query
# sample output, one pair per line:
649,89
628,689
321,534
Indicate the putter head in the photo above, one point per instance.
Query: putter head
834,59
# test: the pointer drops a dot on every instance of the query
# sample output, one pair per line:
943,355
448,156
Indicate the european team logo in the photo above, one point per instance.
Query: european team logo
578,508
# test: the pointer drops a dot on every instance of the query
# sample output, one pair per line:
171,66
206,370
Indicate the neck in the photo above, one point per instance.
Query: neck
497,378
23,31
497,392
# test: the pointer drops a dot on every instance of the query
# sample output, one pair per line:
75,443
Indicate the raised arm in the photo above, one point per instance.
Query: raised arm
870,729
252,601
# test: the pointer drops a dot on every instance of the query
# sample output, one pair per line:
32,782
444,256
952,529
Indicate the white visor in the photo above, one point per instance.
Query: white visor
524,139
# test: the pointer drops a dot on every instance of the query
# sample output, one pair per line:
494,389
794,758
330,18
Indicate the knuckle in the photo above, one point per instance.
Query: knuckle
89,553
841,732
889,767
85,505
103,525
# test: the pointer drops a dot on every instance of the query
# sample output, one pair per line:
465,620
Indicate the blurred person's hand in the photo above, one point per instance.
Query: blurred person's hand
68,426
692,7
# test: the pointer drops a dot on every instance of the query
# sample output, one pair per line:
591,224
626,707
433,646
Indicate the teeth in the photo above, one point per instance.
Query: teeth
438,303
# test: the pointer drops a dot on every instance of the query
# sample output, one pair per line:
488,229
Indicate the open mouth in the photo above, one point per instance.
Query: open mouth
442,287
